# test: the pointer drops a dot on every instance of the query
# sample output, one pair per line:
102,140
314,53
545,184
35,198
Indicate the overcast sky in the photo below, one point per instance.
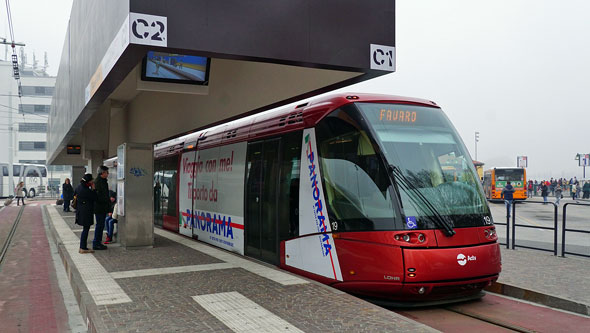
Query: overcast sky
517,71
41,25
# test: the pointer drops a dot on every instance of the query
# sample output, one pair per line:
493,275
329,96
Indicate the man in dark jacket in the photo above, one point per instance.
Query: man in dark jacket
86,197
101,207
508,195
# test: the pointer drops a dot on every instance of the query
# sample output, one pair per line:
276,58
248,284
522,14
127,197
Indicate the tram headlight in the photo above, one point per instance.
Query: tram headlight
421,238
422,290
406,237
490,233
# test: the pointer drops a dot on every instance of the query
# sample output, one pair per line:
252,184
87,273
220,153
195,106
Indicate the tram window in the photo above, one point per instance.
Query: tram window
170,177
165,186
354,178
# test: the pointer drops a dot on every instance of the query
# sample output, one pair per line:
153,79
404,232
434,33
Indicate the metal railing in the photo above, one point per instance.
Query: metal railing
507,224
554,228
564,230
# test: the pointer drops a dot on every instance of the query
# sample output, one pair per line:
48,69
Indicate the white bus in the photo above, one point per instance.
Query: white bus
33,175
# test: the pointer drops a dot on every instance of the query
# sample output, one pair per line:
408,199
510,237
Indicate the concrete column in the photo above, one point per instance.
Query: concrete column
77,174
95,159
135,194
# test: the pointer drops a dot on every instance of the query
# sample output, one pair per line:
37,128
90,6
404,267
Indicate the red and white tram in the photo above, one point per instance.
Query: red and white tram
374,195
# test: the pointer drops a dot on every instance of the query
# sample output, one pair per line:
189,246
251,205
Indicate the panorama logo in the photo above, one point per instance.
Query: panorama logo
462,259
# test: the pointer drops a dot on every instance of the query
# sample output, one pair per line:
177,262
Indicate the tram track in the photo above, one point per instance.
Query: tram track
496,313
10,235
449,319
490,320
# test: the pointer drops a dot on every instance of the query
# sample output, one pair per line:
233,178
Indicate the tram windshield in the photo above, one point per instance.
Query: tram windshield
433,172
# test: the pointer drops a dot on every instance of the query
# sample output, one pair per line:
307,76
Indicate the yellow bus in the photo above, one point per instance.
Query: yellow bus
495,179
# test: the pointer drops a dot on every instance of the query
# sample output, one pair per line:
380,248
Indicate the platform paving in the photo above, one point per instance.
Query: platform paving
181,285
184,285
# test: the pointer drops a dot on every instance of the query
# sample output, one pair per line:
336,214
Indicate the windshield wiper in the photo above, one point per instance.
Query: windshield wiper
415,195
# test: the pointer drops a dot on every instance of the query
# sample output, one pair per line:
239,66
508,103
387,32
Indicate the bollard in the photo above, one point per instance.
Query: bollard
507,228
513,224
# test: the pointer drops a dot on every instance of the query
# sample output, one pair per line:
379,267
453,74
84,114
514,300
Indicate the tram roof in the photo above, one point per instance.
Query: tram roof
305,113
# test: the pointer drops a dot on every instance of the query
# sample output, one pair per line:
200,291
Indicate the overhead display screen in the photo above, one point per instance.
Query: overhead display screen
175,68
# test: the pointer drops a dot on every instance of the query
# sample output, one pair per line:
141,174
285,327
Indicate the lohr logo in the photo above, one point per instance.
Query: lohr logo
383,57
148,29
462,259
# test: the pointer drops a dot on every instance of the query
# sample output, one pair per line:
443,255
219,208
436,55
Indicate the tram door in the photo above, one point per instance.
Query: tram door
262,180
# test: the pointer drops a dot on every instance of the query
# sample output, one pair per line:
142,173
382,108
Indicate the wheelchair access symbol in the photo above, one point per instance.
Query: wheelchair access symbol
411,222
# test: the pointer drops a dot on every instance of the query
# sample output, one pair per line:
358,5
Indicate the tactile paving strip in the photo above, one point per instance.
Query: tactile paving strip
266,272
100,284
241,314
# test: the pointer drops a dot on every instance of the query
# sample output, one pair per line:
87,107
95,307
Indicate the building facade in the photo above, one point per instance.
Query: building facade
24,119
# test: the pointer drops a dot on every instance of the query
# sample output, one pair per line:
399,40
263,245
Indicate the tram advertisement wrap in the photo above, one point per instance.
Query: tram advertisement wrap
315,253
187,177
212,182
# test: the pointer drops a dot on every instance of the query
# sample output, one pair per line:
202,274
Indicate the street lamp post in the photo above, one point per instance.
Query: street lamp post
16,75
10,146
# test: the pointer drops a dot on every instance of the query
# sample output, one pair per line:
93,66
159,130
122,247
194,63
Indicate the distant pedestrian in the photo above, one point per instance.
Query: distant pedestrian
85,199
20,193
68,194
102,206
586,190
544,192
157,196
573,190
530,189
507,194
558,191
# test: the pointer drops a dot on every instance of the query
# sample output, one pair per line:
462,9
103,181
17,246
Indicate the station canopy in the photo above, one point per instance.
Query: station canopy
145,71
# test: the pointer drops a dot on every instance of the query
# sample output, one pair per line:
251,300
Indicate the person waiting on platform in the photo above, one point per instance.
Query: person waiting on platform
111,218
19,193
68,194
86,197
507,194
102,206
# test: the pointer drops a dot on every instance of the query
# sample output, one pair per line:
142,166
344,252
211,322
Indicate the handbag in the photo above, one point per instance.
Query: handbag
75,202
